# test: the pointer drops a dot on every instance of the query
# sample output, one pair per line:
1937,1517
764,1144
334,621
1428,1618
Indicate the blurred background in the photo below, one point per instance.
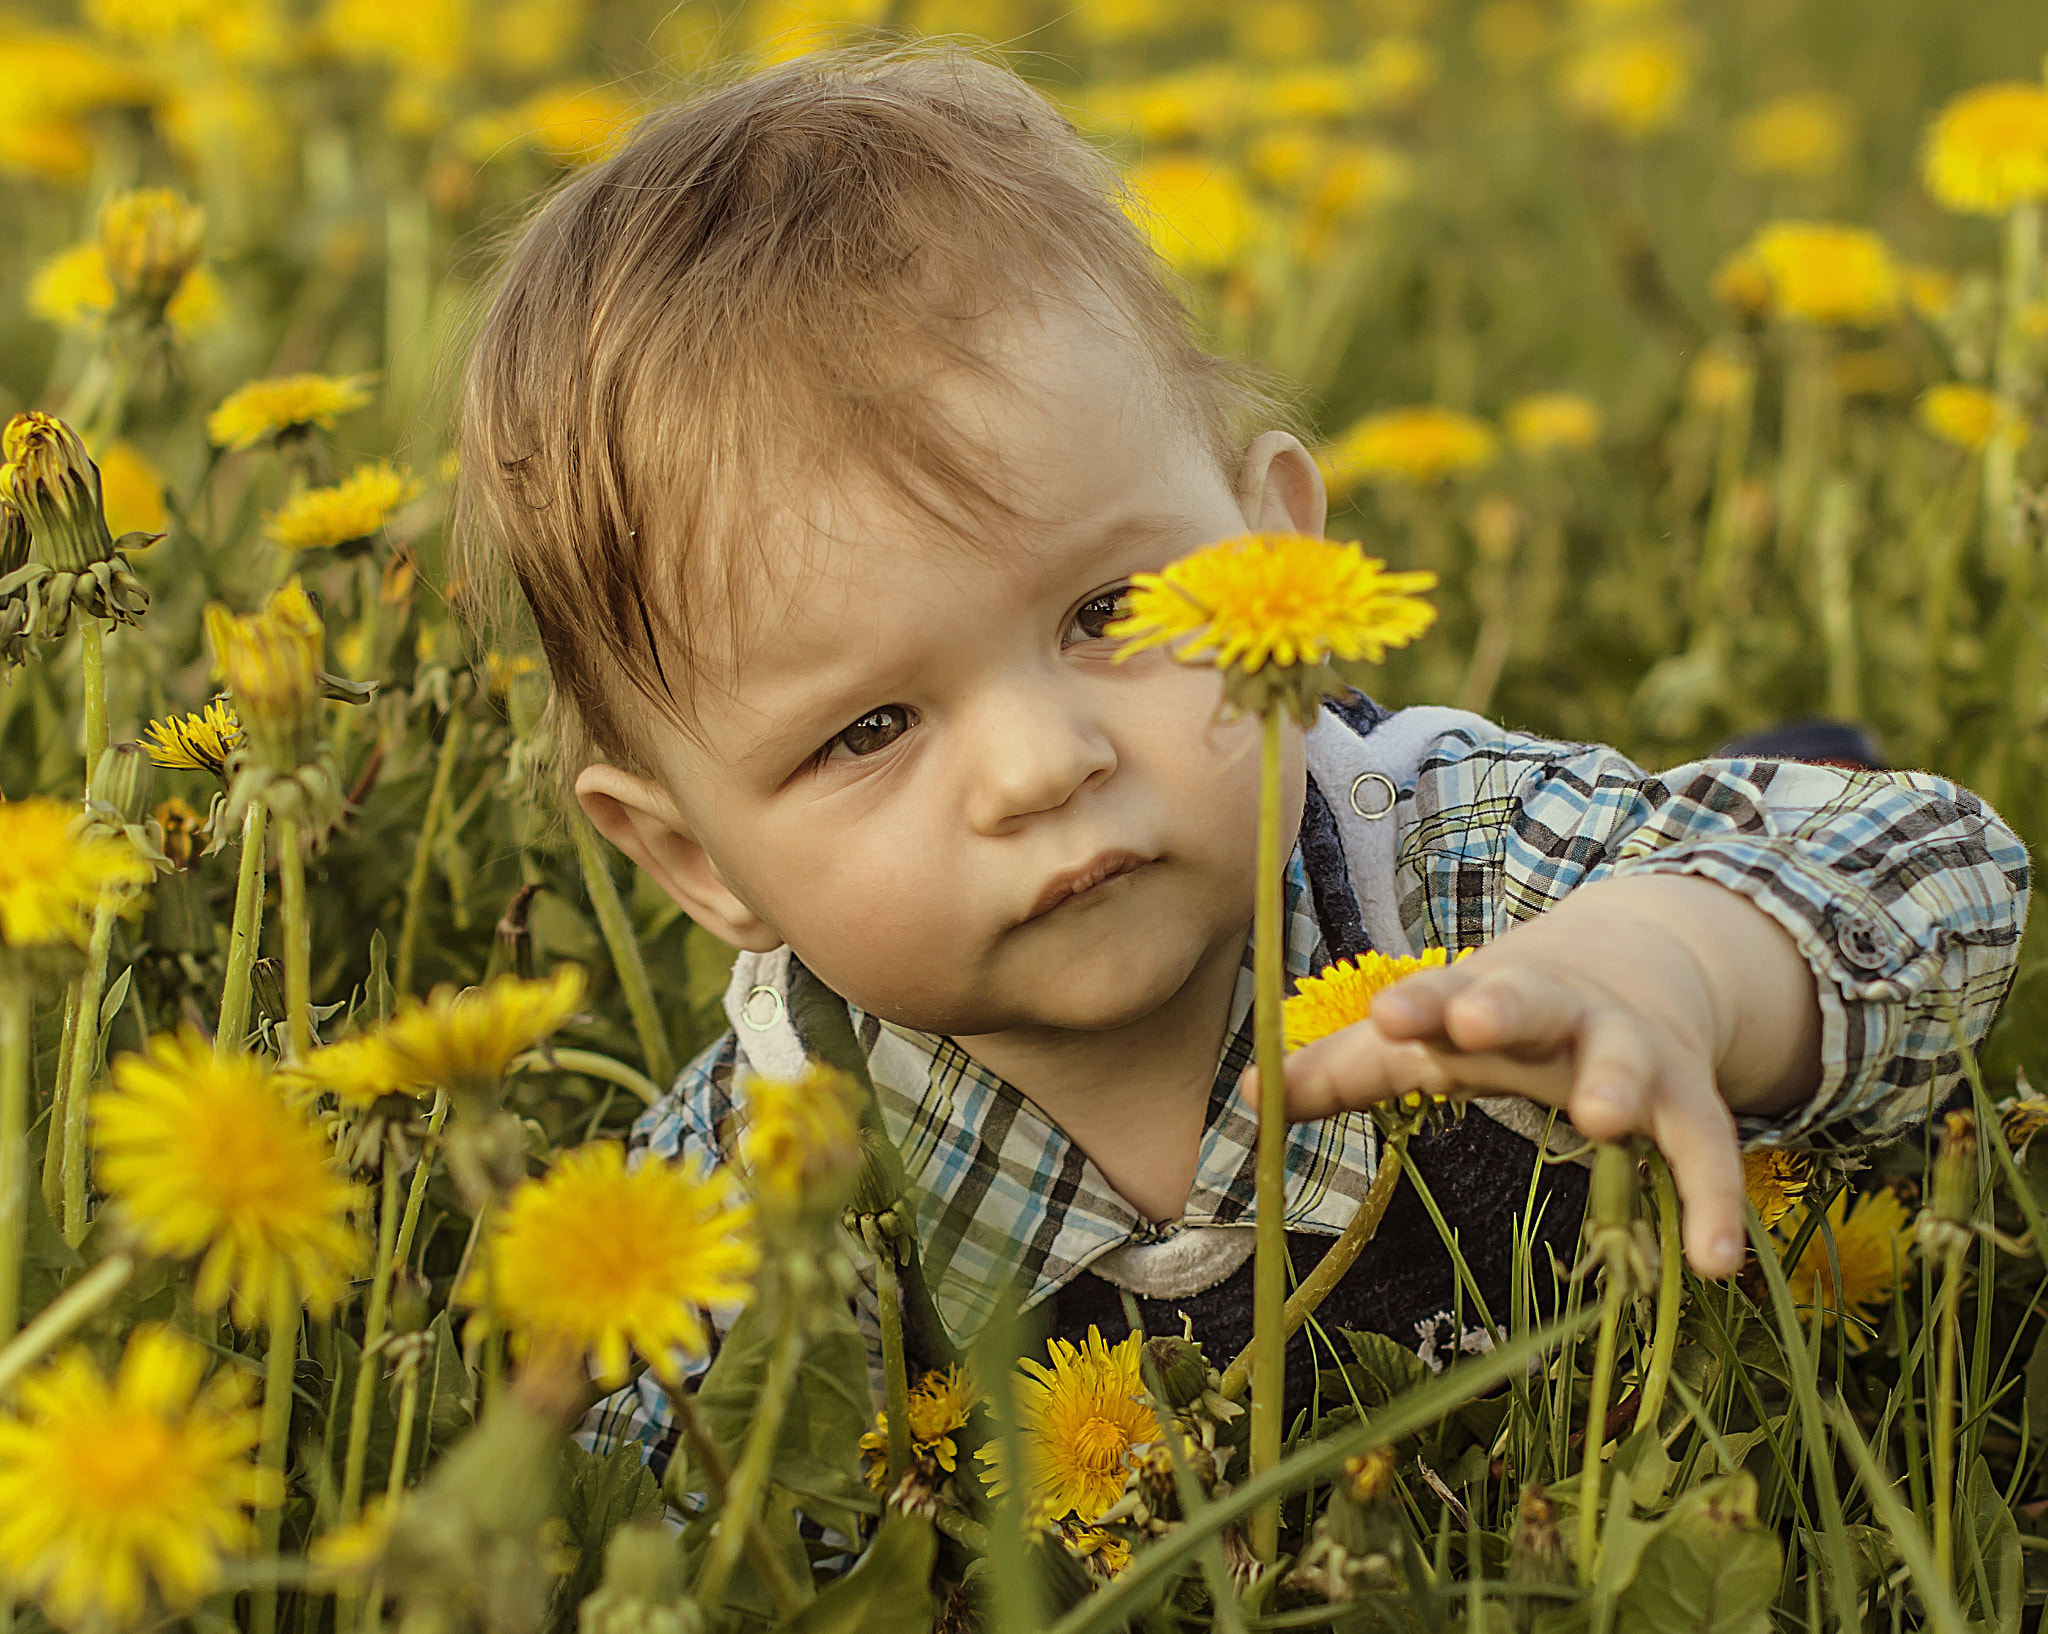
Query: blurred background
1681,339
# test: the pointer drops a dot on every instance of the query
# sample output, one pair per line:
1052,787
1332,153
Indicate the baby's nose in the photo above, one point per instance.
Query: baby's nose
1029,758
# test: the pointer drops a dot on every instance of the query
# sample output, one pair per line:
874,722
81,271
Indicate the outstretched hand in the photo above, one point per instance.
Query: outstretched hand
1657,1005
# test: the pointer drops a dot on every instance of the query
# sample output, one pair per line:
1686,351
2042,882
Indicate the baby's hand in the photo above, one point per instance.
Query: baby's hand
1658,1005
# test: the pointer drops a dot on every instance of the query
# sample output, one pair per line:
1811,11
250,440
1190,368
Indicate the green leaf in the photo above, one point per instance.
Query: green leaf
1710,1568
1388,1368
1989,1573
888,1592
598,1496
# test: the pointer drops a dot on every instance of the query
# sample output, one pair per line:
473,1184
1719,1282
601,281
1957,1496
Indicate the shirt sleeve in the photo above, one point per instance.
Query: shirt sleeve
1904,892
685,1125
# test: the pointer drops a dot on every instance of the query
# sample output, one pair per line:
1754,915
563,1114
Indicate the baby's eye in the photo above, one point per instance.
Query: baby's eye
1094,616
873,732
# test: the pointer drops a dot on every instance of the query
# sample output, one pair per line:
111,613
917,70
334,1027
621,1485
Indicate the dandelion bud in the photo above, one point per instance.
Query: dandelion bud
410,1310
13,539
1182,1370
1955,1170
149,241
878,1187
643,1590
123,782
53,482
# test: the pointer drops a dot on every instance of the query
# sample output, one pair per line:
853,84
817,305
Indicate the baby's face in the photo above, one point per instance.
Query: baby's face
931,778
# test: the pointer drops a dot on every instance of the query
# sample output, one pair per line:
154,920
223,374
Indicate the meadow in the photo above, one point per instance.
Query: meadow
1698,348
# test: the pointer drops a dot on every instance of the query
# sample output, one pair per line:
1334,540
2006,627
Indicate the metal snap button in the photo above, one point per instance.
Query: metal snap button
762,1009
1373,784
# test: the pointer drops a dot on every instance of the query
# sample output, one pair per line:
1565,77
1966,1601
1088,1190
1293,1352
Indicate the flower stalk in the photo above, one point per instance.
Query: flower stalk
1613,1192
657,1055
244,932
1269,1270
85,1047
277,1421
423,852
895,1370
368,1363
1670,1295
749,1479
14,1052
298,941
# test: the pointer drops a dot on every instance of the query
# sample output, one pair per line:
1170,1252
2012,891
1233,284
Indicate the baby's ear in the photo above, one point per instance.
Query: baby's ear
1279,488
640,818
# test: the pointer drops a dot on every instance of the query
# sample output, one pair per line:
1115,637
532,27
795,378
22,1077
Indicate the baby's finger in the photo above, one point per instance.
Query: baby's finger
1514,1009
1696,1132
1414,1006
1352,1069
1617,1065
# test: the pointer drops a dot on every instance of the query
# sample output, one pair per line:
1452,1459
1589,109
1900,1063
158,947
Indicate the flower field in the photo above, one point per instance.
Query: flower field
1693,352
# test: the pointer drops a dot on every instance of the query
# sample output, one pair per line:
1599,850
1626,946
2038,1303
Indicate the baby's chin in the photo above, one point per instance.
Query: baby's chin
1080,997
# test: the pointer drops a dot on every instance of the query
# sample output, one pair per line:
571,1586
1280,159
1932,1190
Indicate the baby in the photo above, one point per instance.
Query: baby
823,429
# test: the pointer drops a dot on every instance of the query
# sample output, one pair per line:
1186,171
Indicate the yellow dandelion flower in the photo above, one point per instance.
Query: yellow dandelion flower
110,1489
1078,1420
1988,149
616,1261
1194,211
149,240
351,1553
1419,445
1343,993
1775,1179
270,660
941,1404
208,1160
195,743
1279,599
1967,416
183,831
1871,1244
50,878
425,37
283,407
358,1072
463,1041
354,509
2023,1117
1825,273
1553,422
1097,1545
1635,84
1742,283
1804,134
801,1136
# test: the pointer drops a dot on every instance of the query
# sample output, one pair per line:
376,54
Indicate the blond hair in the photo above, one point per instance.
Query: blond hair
754,289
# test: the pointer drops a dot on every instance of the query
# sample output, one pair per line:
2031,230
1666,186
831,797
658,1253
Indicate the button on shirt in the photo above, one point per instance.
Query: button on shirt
1903,892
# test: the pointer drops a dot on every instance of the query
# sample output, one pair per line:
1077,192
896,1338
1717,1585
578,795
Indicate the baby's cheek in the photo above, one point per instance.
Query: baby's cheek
881,927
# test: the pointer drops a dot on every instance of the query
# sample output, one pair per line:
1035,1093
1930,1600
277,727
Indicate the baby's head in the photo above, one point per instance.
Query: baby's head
822,428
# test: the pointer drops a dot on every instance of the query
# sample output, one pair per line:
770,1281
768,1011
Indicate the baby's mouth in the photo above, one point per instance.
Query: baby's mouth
1073,883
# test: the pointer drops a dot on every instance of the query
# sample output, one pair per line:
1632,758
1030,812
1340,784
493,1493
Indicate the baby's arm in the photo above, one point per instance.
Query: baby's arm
1731,946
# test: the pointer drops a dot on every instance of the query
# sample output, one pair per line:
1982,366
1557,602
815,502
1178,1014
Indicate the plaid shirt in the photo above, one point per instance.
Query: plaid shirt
1901,891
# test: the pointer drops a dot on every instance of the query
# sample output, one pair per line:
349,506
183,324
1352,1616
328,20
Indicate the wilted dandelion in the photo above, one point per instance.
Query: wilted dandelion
1078,1419
942,1403
110,1490
346,513
51,877
616,1261
1416,445
1871,1244
1988,149
285,407
195,743
1825,273
463,1041
270,660
1553,422
1774,1179
1967,416
208,1159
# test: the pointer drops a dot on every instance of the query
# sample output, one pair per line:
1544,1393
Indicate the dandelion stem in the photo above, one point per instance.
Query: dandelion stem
85,1046
1269,1273
14,1048
60,1099
57,1320
1670,1295
707,1460
1343,1254
92,655
1949,1342
423,850
659,1058
895,1372
244,932
743,1493
416,1198
277,1423
298,946
401,1442
368,1363
1613,1192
